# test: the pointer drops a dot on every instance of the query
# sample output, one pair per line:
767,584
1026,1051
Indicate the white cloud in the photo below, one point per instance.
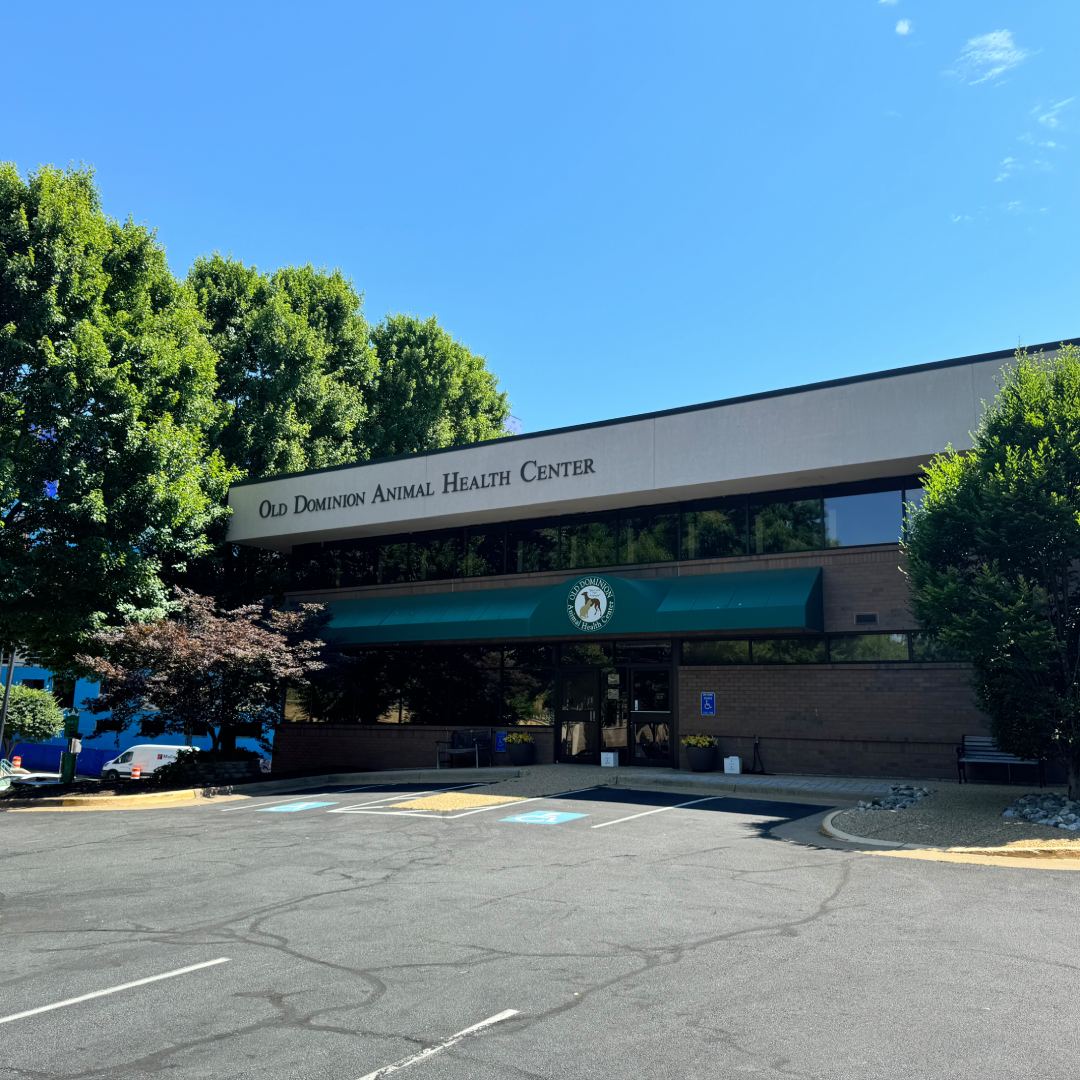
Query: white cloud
889,3
1008,166
988,56
1014,207
960,219
1051,117
1042,144
904,27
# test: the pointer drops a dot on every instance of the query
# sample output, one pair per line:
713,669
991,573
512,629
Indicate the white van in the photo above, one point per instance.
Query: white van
147,755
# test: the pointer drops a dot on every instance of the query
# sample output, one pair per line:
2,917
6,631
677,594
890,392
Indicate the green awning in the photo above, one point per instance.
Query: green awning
757,600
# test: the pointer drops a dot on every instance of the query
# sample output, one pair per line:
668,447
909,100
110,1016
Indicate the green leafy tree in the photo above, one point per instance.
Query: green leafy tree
205,670
430,391
994,558
33,716
107,393
295,365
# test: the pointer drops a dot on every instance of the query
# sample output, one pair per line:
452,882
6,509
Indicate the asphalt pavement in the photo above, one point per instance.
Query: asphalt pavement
444,935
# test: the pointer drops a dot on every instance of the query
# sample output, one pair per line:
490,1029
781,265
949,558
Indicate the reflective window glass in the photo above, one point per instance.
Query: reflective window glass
650,536
485,551
858,648
454,685
714,530
795,525
395,562
788,651
350,562
309,565
589,541
439,555
873,518
586,654
643,652
719,651
927,649
531,548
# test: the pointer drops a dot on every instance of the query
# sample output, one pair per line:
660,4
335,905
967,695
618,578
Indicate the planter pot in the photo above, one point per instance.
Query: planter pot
521,753
701,758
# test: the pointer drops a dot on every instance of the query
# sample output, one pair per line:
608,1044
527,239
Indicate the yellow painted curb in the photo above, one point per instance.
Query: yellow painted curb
985,857
149,801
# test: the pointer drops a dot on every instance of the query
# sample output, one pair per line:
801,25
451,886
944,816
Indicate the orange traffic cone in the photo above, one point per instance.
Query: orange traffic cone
136,772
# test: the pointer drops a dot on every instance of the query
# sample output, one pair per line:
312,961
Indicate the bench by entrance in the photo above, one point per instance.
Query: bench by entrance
465,748
982,750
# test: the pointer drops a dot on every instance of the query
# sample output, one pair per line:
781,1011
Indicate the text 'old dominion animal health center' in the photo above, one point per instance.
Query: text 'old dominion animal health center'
729,568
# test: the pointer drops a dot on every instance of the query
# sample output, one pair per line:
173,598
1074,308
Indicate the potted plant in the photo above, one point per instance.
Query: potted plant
701,751
521,748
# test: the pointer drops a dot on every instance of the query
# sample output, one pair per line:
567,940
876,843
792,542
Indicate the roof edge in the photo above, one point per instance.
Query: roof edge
847,380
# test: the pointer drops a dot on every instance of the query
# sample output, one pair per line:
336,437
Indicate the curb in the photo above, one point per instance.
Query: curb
729,788
152,799
836,833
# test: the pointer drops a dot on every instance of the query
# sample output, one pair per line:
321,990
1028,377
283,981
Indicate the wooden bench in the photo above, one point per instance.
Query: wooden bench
982,750
462,746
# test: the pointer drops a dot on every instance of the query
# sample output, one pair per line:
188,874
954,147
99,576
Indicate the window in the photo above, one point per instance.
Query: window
927,649
872,518
349,562
439,555
650,536
530,548
788,651
33,684
795,525
714,530
860,648
123,759
589,541
485,551
395,562
720,651
643,652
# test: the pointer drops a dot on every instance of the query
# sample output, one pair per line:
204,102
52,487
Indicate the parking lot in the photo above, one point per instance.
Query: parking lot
445,932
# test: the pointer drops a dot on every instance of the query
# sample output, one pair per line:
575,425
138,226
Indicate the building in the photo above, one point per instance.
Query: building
730,568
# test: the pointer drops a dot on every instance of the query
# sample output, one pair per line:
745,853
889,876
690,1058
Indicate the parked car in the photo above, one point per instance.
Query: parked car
148,756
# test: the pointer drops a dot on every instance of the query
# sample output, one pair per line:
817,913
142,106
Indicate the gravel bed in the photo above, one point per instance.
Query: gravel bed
955,815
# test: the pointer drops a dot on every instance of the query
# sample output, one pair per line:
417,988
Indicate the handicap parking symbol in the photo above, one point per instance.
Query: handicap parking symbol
542,817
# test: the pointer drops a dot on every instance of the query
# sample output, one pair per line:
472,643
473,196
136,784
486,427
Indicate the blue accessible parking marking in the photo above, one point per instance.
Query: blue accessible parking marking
542,817
291,808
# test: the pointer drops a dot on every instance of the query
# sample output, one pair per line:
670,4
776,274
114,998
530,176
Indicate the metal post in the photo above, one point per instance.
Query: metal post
7,695
69,756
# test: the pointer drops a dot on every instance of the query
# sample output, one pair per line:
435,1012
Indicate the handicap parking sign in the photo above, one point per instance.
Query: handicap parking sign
708,703
542,817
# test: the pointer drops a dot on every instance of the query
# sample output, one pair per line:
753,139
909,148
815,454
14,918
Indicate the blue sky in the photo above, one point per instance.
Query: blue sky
624,207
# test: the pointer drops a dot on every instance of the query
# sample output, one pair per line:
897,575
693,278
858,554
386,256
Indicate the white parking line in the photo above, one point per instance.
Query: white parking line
658,810
519,802
404,1063
398,796
295,798
113,990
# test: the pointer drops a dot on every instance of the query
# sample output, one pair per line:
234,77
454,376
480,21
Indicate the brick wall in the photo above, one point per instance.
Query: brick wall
311,749
865,719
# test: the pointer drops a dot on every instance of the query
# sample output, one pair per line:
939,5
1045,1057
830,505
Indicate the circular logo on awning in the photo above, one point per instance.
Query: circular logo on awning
590,604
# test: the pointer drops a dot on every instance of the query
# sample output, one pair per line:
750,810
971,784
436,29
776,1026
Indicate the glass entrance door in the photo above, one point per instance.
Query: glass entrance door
578,716
650,716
